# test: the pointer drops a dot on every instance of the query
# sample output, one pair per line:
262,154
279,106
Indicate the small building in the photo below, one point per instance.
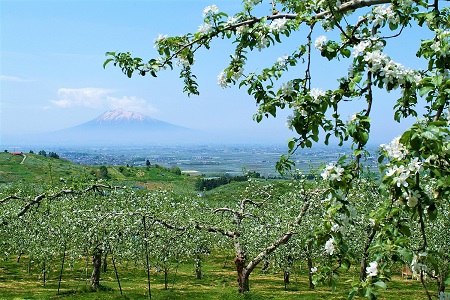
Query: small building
17,153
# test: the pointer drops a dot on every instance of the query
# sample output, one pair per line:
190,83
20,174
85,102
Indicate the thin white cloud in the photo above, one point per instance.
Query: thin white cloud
99,98
132,104
12,78
84,97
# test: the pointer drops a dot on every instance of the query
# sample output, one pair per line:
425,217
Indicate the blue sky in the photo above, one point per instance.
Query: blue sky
51,72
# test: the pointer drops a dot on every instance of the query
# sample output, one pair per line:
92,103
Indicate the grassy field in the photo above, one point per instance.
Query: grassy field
24,281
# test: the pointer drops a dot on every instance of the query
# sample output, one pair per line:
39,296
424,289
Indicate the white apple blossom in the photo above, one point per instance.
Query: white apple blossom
395,149
205,28
313,270
413,198
360,48
381,13
159,39
329,246
372,269
332,172
281,61
352,118
277,25
315,93
400,180
319,42
210,10
263,42
222,79
335,228
183,62
415,165
252,2
287,88
232,20
242,29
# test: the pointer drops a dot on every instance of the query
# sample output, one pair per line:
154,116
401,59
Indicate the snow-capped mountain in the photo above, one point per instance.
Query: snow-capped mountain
120,114
129,121
119,127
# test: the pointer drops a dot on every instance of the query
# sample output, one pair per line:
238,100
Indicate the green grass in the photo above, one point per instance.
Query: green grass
218,282
46,170
37,168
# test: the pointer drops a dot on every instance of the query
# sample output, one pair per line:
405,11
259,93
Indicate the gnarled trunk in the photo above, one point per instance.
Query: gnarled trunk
96,266
243,275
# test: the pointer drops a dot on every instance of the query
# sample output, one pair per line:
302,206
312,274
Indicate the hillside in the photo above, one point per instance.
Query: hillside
33,168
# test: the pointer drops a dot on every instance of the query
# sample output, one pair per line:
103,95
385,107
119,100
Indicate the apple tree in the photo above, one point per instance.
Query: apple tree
357,35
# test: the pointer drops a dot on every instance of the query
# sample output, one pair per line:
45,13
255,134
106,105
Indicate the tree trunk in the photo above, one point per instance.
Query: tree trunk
243,275
198,267
166,277
362,271
440,282
286,279
105,263
309,260
96,266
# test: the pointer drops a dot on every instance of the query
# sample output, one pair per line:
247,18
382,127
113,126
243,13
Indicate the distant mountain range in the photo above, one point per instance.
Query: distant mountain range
117,128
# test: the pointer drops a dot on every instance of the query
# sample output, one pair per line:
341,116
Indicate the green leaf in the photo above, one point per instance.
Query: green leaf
380,284
346,52
432,212
405,230
291,145
107,62
406,254
425,90
429,136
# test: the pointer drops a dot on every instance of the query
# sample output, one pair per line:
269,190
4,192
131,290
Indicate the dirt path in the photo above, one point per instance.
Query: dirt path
24,157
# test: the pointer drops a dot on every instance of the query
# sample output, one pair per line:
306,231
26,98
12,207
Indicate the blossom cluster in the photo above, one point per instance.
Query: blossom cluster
319,42
391,72
381,14
372,269
441,44
287,88
210,10
281,61
402,173
332,172
277,25
329,246
222,79
315,93
205,28
395,149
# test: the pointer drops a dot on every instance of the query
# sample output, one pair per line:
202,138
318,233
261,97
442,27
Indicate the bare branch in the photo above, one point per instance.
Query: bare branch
282,240
8,198
37,200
